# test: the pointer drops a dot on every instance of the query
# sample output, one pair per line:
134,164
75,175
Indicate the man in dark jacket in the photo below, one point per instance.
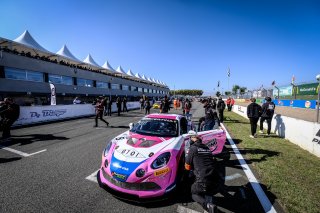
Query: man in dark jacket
165,105
11,114
267,114
124,104
220,107
99,111
211,117
200,161
253,113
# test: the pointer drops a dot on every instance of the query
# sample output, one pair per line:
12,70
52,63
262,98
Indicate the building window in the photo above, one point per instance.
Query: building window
26,75
60,79
125,87
140,89
84,82
103,85
134,88
115,86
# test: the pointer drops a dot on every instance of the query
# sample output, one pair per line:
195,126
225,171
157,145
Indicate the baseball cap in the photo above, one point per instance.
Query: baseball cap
193,133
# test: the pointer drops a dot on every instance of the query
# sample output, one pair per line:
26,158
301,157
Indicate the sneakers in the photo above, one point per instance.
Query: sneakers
260,131
211,208
251,136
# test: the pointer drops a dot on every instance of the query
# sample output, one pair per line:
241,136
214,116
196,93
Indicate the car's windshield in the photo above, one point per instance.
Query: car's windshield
157,127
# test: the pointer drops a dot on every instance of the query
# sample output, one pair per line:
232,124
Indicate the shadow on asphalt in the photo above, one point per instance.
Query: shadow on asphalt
28,139
7,160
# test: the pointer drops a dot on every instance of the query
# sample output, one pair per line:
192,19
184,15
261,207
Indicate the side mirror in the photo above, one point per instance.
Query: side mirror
131,125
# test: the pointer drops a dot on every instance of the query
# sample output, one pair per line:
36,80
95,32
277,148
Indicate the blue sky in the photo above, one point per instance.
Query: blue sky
184,43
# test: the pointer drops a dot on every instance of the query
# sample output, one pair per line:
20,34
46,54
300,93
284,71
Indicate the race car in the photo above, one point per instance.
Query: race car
147,160
156,105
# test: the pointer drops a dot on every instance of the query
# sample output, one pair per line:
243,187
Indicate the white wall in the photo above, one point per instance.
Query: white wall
303,133
38,114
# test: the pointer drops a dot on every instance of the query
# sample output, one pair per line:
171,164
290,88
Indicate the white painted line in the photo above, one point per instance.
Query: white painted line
23,154
182,209
93,177
37,152
232,177
266,204
15,151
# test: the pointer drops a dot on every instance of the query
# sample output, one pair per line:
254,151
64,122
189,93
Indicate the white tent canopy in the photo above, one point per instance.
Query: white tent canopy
130,73
26,39
137,75
120,70
89,60
153,80
144,77
107,66
65,52
149,79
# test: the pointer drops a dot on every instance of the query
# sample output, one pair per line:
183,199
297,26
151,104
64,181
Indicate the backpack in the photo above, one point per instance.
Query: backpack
269,111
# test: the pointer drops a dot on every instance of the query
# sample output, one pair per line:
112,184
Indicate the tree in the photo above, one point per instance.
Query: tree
187,92
227,93
218,94
243,90
235,89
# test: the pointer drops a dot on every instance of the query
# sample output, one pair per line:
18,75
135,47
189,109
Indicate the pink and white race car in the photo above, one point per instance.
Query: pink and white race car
147,160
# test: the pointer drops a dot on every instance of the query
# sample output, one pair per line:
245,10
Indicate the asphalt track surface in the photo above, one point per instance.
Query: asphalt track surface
47,168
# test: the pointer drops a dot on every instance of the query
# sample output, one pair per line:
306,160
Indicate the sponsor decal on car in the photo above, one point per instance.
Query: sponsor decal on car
161,171
118,176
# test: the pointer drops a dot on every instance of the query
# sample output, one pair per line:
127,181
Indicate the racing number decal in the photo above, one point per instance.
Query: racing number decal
130,153
161,172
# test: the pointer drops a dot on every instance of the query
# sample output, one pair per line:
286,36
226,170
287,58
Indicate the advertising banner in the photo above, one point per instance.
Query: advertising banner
283,91
307,89
309,104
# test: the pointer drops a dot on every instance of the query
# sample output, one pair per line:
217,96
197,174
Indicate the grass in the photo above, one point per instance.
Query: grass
289,172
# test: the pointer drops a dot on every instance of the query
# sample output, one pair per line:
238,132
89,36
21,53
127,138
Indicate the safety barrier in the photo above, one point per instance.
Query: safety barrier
39,114
302,133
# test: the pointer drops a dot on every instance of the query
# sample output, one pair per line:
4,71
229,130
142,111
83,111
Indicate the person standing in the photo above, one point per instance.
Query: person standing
253,113
200,160
124,102
229,103
107,106
267,114
187,107
141,103
10,115
147,106
211,117
220,107
118,103
99,111
165,105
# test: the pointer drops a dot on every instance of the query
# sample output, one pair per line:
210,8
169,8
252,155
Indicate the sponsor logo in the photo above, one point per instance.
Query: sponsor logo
57,113
119,176
116,165
34,115
307,104
213,145
161,171
316,140
240,109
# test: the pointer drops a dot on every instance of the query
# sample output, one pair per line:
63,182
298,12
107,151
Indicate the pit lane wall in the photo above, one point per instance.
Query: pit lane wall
40,114
302,133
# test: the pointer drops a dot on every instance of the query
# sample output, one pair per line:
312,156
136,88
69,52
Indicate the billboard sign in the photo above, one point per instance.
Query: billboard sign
307,89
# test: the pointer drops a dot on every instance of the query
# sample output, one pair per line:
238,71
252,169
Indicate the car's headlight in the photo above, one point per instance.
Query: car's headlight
161,160
106,150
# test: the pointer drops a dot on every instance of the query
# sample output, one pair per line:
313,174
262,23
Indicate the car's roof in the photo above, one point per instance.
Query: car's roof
165,116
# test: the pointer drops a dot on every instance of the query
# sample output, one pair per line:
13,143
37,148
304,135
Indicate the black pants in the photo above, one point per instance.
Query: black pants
268,122
125,109
99,115
253,123
6,125
229,107
221,116
199,191
119,110
147,110
109,111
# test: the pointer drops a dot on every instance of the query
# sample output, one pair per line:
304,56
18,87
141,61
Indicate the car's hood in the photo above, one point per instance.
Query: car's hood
127,156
